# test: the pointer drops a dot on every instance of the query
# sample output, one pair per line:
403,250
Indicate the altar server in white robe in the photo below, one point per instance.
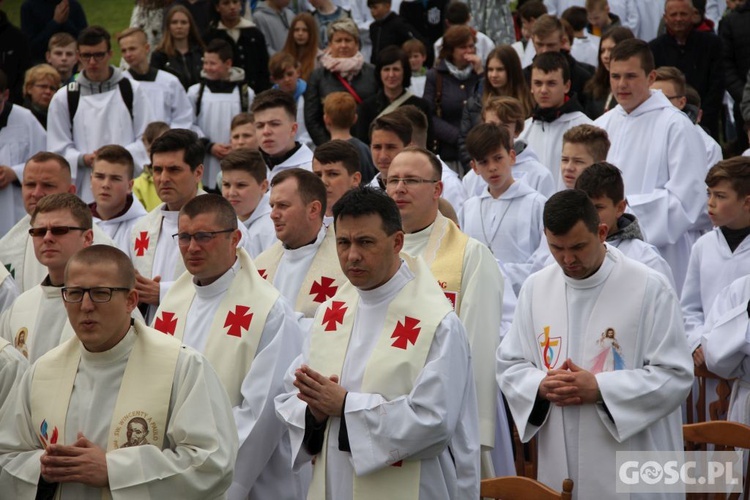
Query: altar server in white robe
507,216
21,136
221,95
663,180
302,265
246,329
596,360
114,208
726,344
45,173
466,271
723,254
36,322
369,397
119,410
111,109
177,165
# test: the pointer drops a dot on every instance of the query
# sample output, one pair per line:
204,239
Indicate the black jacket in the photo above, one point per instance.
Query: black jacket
580,73
186,67
734,31
14,57
391,30
38,24
372,107
250,54
429,19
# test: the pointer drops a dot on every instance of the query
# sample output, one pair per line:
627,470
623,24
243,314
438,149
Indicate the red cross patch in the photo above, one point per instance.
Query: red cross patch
238,320
141,244
167,323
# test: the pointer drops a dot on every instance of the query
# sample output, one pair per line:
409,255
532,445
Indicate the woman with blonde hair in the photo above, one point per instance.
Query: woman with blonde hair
39,85
181,49
302,44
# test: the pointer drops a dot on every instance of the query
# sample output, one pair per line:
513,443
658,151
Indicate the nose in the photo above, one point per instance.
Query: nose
87,304
192,246
569,258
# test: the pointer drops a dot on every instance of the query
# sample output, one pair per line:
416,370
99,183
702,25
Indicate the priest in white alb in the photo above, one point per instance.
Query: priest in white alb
302,265
247,330
596,360
383,394
119,411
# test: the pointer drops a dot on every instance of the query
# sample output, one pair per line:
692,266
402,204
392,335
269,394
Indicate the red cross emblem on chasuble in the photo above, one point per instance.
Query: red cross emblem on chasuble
238,320
334,314
405,333
323,289
167,323
141,243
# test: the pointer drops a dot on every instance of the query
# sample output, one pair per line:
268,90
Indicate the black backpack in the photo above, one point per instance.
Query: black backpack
74,97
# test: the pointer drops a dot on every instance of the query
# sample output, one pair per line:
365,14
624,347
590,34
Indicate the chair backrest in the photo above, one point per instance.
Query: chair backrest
702,410
723,436
523,488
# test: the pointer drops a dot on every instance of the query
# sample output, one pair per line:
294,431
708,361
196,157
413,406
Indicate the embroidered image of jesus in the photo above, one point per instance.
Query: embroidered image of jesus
610,357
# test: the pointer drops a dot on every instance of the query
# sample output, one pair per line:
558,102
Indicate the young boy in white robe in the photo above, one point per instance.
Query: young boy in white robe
508,112
723,254
602,182
245,186
242,131
507,216
221,94
583,145
115,209
336,162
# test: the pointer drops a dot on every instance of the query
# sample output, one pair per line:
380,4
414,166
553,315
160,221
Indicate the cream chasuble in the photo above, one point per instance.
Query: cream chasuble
321,281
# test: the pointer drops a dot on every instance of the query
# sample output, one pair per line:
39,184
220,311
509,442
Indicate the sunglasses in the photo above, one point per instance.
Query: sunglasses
40,232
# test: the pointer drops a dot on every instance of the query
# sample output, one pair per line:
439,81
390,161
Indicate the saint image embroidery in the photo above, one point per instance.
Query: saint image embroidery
20,342
610,357
137,432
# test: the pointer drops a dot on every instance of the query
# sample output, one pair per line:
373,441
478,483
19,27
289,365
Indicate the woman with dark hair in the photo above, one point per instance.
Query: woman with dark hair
503,77
343,69
598,92
394,77
181,49
302,44
450,84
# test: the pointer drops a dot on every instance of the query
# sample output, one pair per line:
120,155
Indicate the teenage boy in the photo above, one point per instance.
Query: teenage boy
389,134
602,182
601,20
275,115
285,76
101,107
245,186
339,116
114,208
528,13
221,94
508,112
583,145
61,55
555,112
336,162
507,216
274,18
242,134
584,46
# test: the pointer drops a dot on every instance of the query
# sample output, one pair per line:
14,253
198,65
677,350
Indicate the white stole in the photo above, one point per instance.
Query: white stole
390,371
25,315
236,328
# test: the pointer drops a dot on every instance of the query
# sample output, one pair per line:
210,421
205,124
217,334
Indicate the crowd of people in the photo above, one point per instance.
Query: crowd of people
340,249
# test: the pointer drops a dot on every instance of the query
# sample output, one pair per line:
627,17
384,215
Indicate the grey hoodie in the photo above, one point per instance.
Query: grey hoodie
627,229
90,88
274,25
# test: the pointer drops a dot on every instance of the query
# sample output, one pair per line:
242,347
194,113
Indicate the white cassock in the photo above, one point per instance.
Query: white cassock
453,189
435,422
302,158
200,441
650,13
8,290
263,468
586,48
663,164
726,345
644,370
260,231
119,228
527,169
546,139
21,137
215,119
479,305
557,7
12,367
713,266
510,226
628,13
713,148
101,119
17,253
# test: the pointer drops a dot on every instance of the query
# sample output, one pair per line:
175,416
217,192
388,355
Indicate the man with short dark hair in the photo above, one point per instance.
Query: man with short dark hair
101,107
336,162
369,396
589,369
302,265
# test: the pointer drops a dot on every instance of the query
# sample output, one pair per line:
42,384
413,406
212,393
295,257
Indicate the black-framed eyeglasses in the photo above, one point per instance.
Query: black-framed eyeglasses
96,56
408,181
201,237
97,294
41,232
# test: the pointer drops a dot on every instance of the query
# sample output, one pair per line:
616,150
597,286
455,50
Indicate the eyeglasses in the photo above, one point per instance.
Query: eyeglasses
96,56
97,294
408,181
42,86
201,237
41,232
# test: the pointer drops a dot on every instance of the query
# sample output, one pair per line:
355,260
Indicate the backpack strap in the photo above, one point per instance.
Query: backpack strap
74,97
126,91
244,104
198,101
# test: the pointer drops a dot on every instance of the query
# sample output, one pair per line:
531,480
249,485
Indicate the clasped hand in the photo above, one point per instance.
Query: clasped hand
569,385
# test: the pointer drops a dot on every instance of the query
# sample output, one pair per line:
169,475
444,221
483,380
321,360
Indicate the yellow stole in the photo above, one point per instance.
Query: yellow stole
391,370
145,391
237,325
445,256
322,280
